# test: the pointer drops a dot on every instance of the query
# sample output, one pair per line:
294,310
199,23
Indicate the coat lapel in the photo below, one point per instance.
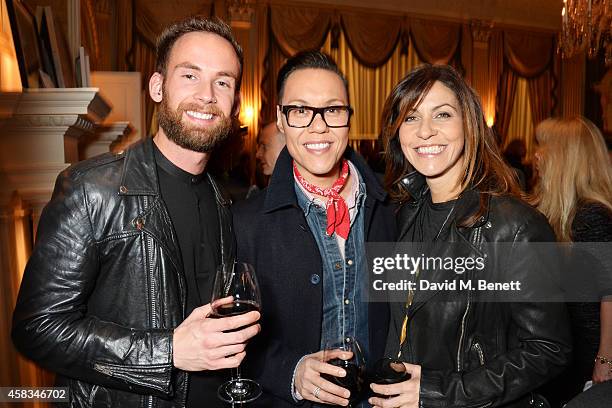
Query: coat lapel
140,178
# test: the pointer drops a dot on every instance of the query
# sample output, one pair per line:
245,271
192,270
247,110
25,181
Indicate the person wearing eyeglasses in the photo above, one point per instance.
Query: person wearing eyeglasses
305,234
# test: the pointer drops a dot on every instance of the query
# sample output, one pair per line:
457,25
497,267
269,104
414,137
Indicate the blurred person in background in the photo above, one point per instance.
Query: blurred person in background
270,143
574,191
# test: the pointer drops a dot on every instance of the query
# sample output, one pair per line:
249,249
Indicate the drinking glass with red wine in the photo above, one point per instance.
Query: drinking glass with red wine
237,280
389,371
355,367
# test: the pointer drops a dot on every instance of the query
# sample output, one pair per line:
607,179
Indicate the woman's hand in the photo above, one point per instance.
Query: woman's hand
601,372
400,395
310,384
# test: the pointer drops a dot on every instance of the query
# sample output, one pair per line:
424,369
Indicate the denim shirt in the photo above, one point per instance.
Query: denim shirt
345,311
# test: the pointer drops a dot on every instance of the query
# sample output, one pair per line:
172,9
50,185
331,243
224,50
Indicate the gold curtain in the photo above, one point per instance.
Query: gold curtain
521,122
289,30
572,78
541,97
125,39
369,87
467,54
262,69
299,28
496,67
373,50
436,42
144,61
372,38
528,53
528,62
506,92
274,60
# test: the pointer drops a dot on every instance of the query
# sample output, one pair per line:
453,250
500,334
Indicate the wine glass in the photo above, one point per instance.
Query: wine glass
355,368
237,280
389,371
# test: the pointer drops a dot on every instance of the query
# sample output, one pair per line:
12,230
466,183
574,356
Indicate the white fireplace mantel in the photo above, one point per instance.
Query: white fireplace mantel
40,131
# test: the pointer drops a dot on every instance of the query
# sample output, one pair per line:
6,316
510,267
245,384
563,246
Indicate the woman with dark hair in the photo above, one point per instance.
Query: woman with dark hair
446,172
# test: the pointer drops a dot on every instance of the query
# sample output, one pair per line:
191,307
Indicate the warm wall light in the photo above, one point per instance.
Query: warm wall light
490,121
247,114
10,81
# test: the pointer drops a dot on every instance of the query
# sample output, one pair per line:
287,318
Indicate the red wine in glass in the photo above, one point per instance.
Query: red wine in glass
237,280
389,371
355,368
235,308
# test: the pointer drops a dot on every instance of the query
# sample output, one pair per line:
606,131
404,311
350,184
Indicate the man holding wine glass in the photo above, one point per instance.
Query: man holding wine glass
305,235
127,248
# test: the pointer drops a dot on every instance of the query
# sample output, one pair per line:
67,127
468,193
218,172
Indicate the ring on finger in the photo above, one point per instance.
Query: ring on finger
316,392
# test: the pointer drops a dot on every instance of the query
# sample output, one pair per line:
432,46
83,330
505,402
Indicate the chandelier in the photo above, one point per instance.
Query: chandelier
586,25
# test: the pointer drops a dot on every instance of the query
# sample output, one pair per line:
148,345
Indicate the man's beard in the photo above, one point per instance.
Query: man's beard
198,139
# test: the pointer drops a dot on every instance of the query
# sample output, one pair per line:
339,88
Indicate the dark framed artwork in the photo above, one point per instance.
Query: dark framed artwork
25,38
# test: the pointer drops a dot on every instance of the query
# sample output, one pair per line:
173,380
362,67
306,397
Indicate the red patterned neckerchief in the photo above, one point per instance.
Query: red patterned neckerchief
338,219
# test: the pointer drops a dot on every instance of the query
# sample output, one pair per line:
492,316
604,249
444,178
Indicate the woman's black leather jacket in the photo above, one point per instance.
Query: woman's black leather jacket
477,353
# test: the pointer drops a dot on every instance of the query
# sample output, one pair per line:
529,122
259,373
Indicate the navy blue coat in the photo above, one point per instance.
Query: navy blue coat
273,235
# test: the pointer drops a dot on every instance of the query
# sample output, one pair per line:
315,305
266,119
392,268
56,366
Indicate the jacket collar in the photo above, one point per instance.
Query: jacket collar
468,202
281,191
414,183
139,174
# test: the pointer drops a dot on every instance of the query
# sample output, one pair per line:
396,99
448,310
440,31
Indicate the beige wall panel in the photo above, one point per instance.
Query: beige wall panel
122,90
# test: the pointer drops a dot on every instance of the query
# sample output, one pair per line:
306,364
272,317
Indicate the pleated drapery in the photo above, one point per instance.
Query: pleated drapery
505,103
372,39
436,42
528,53
296,29
370,45
528,56
521,122
374,51
369,92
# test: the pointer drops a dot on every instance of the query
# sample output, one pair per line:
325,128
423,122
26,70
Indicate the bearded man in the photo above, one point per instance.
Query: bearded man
129,243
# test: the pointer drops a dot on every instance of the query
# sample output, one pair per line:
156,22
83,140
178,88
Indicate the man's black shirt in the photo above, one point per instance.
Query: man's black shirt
190,200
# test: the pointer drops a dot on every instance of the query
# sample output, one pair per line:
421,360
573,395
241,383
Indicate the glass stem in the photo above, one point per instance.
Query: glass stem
236,374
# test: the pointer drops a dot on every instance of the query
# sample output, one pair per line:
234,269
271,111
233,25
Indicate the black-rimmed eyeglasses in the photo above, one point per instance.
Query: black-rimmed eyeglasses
298,116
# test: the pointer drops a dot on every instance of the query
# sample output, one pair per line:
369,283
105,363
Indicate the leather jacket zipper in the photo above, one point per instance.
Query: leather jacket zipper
149,245
149,255
467,309
476,240
150,270
478,349
101,369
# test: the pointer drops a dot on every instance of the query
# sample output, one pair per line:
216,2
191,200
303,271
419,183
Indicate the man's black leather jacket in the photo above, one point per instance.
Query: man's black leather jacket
104,287
474,352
